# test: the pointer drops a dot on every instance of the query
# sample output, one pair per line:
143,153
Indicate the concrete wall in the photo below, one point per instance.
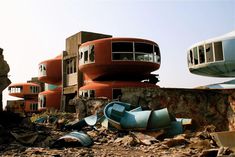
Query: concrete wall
205,107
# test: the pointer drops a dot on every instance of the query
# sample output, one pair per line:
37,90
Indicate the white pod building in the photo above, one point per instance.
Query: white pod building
213,57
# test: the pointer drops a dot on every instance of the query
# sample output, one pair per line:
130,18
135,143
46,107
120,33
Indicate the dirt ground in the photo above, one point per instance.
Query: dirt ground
104,142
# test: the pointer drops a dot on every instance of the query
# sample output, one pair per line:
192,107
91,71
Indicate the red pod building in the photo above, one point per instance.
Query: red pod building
119,59
24,90
27,91
49,99
50,71
110,64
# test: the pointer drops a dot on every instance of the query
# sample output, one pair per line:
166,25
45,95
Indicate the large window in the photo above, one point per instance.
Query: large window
122,47
42,70
87,54
195,55
201,54
209,53
71,66
218,51
87,93
123,56
142,47
34,106
16,89
42,101
122,51
117,93
137,51
34,89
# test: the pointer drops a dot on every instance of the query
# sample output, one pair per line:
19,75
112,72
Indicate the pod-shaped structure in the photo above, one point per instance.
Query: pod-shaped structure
50,71
50,99
213,57
119,59
24,90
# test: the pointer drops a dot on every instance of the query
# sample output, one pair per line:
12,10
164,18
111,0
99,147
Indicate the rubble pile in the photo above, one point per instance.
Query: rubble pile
48,134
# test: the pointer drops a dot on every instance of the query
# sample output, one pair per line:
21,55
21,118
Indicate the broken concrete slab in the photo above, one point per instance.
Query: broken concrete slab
225,139
27,138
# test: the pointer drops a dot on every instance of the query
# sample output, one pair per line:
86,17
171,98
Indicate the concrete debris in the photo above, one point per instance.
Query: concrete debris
27,138
143,138
224,139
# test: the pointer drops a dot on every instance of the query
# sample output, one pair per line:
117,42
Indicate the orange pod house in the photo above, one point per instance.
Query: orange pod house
50,71
24,90
31,105
110,89
49,99
119,59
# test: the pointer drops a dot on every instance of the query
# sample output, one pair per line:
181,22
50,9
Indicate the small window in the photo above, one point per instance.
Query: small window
70,66
143,47
195,55
85,56
139,57
122,47
218,51
123,56
209,53
92,53
85,93
191,57
74,65
157,51
117,93
81,55
201,54
92,93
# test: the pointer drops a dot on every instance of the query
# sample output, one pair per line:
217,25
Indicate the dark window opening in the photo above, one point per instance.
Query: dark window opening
70,66
92,93
218,51
201,54
122,47
195,55
86,94
122,56
143,47
209,53
81,55
157,51
117,93
191,56
92,54
74,66
85,56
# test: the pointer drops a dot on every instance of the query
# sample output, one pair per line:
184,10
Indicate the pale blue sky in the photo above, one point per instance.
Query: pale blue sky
35,30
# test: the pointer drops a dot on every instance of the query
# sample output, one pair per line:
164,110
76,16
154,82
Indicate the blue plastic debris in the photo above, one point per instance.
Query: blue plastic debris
73,139
121,117
41,120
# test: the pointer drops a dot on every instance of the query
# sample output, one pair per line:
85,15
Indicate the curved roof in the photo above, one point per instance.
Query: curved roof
120,39
230,35
23,84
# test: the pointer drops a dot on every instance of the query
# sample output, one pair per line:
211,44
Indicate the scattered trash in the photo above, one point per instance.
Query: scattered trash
73,139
